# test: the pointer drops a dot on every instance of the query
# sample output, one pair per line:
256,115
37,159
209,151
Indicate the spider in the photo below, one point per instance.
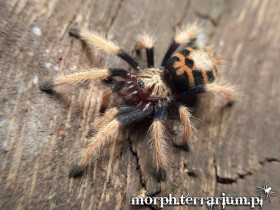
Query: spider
266,190
148,92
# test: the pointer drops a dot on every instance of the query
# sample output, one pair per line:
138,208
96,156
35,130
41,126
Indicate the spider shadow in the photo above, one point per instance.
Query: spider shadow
63,94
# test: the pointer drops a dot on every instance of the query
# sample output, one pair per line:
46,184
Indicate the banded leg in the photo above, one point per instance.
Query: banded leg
184,35
224,90
96,142
83,76
192,91
109,130
108,116
147,41
99,41
111,114
185,117
157,132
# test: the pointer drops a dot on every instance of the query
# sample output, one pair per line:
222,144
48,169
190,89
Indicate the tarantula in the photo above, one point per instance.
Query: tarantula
148,91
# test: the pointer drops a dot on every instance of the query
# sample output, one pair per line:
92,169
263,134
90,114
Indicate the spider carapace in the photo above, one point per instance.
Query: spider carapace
148,92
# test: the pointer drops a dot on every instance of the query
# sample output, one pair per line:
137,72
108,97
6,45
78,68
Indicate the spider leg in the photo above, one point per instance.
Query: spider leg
222,89
108,116
111,113
117,85
185,116
260,189
184,35
106,95
94,73
108,130
111,129
157,133
192,91
147,41
99,41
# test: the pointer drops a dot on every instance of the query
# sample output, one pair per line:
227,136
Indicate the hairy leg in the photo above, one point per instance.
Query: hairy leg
224,90
184,35
185,117
100,41
111,114
158,140
91,74
96,142
105,132
108,116
147,41
106,95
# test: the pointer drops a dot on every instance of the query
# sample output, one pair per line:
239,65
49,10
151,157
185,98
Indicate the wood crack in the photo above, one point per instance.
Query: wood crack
207,17
243,175
138,168
179,23
34,170
111,22
70,22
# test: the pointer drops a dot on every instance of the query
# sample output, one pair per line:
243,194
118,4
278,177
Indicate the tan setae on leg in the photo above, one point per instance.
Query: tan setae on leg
159,143
222,89
188,127
109,115
99,40
147,41
75,77
96,142
184,35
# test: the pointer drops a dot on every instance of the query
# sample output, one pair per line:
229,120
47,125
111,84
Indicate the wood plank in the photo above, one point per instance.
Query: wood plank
237,147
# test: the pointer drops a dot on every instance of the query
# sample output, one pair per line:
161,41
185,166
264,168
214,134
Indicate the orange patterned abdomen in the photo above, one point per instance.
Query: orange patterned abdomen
191,68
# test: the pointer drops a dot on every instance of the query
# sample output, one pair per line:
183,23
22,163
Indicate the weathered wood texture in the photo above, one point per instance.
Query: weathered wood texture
237,148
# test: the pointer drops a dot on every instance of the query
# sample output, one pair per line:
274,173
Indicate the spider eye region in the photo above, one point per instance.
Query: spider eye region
191,68
141,84
152,83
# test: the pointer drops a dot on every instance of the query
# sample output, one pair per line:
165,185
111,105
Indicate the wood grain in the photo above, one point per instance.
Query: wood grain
237,147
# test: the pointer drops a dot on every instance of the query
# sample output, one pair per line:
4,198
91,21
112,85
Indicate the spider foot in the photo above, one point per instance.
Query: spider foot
46,86
75,32
185,146
77,171
153,191
230,103
90,133
161,174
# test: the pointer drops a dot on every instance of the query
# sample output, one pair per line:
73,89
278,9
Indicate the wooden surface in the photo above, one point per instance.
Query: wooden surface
237,147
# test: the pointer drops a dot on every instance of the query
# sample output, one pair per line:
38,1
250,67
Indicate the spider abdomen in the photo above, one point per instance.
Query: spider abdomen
191,68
